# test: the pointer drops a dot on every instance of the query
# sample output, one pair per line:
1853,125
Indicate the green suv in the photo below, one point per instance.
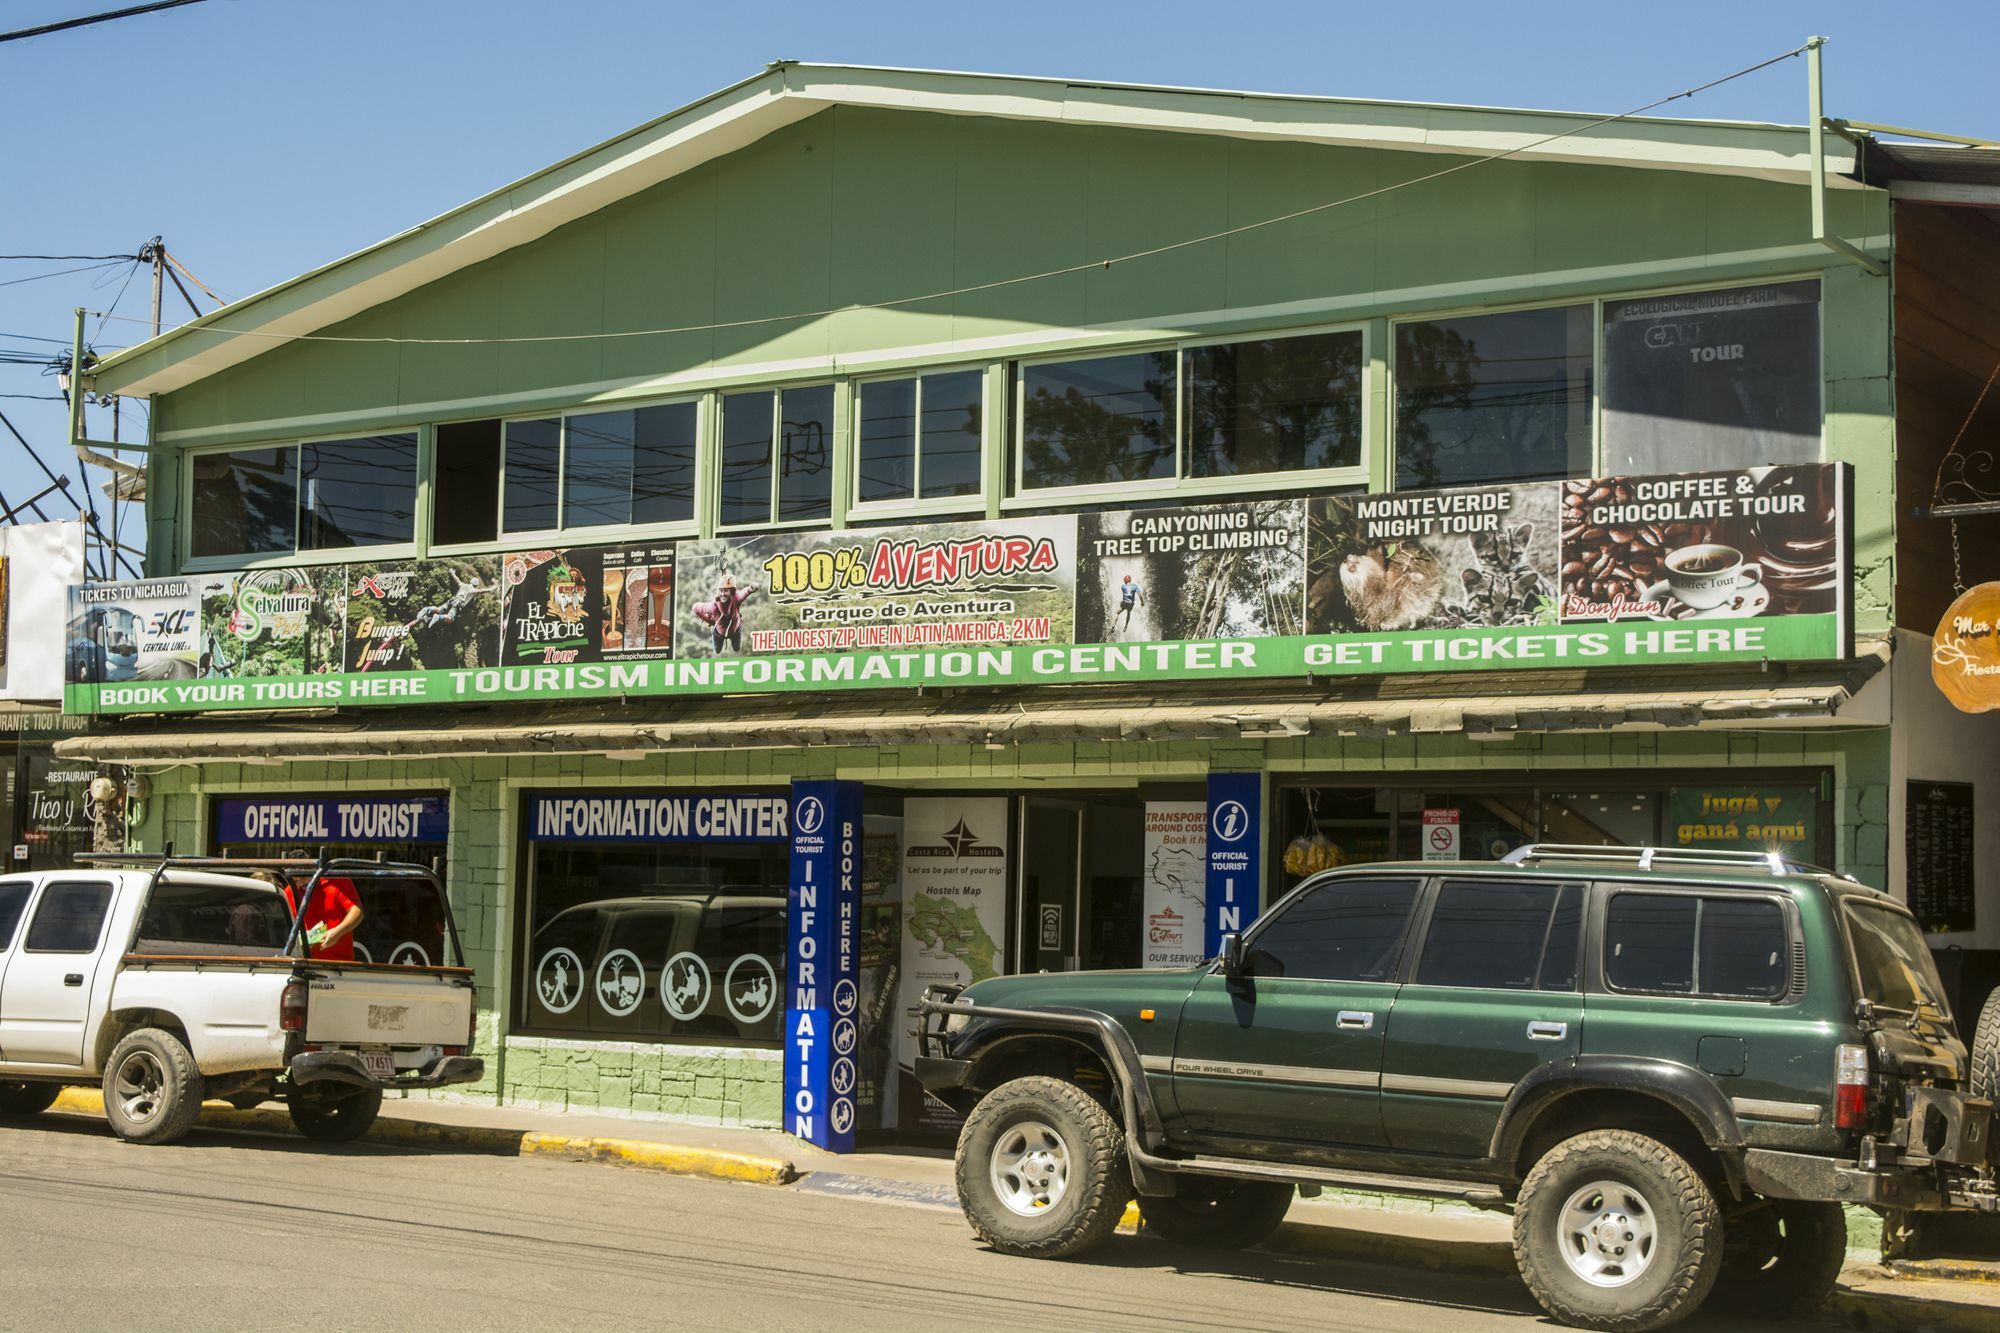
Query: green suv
1672,1067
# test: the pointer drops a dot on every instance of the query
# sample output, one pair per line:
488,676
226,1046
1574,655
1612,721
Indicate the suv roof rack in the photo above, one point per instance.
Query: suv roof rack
1645,858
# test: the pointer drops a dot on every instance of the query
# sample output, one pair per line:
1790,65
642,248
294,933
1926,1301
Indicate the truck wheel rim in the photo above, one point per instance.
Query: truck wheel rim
1030,1168
140,1081
1608,1233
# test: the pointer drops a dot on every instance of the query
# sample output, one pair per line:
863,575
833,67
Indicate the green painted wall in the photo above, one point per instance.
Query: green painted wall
856,205
708,1084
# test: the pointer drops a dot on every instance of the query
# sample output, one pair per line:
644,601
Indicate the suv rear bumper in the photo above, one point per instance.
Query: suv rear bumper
345,1067
1790,1175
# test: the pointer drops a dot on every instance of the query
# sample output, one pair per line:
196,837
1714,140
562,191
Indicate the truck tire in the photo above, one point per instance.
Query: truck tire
1218,1214
1782,1260
1985,1080
1041,1169
25,1099
334,1112
152,1090
1616,1231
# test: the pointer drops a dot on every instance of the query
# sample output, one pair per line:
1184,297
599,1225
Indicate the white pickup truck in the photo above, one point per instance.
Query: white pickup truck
188,980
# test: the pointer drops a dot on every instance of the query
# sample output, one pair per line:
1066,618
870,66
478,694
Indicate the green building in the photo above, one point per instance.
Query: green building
1076,469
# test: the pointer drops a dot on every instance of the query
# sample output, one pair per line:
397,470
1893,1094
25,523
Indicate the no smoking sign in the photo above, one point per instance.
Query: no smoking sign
1440,836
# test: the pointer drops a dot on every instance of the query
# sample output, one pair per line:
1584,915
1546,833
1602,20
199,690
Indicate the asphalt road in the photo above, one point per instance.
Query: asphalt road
235,1232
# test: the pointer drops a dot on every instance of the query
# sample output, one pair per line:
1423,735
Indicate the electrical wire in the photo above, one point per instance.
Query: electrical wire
1066,271
63,25
67,258
62,272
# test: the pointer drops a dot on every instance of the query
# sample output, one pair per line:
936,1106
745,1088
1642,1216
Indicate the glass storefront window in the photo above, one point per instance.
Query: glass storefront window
1714,380
665,936
1492,398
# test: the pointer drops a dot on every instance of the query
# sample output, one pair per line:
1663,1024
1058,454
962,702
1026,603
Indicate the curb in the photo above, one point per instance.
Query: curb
674,1159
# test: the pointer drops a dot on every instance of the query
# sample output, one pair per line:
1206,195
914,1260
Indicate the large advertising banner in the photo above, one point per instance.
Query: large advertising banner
38,564
1750,565
954,918
1176,904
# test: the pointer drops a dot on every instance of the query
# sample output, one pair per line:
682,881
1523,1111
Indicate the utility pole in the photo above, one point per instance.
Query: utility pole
156,250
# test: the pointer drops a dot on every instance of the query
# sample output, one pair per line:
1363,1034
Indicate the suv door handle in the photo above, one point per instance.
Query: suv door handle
73,979
1547,1031
1354,1020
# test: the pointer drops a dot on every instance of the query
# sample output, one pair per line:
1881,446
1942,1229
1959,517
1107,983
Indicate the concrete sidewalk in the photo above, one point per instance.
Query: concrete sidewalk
1368,1228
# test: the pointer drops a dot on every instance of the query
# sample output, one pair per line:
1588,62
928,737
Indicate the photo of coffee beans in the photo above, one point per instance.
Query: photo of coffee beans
1607,564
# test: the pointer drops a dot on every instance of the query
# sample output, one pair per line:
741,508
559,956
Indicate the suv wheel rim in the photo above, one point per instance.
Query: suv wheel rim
1608,1232
1030,1168
139,1082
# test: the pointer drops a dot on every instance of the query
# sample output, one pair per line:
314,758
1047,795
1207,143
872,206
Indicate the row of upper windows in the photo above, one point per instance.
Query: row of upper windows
1712,379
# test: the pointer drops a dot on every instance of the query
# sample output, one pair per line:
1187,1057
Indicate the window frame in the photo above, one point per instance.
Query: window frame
1181,485
1427,916
973,503
31,915
299,555
1599,917
1419,913
712,445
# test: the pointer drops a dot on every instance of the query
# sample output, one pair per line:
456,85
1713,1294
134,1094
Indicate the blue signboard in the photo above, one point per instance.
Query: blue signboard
823,909
311,820
1235,855
657,817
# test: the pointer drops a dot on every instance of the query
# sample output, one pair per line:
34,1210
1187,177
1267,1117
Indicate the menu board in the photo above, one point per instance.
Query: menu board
1937,855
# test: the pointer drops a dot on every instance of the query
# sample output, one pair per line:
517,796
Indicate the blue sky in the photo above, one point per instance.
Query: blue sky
265,137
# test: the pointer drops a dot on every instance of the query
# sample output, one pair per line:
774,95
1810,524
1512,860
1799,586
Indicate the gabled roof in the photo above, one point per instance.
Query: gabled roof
787,92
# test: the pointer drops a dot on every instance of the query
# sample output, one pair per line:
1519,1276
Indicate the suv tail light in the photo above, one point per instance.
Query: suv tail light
1850,1088
292,1007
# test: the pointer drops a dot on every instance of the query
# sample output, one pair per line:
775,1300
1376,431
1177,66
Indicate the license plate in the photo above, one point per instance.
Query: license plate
378,1064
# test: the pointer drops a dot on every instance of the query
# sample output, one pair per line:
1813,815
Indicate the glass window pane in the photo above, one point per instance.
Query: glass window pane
69,918
1743,949
746,458
1350,930
805,453
1565,943
1712,380
358,492
1487,935
597,469
953,427
888,445
534,455
1601,819
665,440
1649,942
1108,419
1275,405
249,918
245,502
13,901
465,501
1487,398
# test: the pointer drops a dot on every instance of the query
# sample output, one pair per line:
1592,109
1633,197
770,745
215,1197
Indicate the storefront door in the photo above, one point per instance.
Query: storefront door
1051,880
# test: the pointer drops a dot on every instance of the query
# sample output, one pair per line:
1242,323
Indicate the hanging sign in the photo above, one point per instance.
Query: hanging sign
1965,651
1235,859
822,1019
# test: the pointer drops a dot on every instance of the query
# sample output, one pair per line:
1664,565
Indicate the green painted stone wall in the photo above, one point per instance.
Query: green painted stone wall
713,1085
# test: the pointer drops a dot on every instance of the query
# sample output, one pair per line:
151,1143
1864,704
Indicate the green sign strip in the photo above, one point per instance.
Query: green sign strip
1513,647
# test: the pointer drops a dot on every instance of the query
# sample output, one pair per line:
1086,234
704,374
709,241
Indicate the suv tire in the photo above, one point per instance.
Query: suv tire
333,1112
152,1090
1782,1260
1041,1169
1615,1230
25,1099
1985,1080
1218,1214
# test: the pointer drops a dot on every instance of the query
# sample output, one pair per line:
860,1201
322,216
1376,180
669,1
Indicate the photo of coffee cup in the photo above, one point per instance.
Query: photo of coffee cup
1707,575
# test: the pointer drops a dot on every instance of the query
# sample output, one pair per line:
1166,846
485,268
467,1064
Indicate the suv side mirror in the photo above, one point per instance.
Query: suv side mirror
1232,955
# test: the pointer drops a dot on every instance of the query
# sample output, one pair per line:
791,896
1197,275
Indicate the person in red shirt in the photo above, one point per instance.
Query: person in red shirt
336,908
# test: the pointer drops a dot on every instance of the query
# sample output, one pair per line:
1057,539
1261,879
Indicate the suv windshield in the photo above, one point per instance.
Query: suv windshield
1893,962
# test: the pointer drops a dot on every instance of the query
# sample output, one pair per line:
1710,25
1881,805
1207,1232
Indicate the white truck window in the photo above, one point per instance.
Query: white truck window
207,918
69,918
13,902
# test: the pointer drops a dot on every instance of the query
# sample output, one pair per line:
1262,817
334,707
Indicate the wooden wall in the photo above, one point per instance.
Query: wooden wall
1947,315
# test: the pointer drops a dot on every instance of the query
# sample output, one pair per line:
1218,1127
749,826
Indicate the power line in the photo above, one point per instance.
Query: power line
1066,271
63,272
63,258
63,25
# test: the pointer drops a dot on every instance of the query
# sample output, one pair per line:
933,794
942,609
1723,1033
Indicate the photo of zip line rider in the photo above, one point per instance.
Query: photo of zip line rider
1130,595
724,615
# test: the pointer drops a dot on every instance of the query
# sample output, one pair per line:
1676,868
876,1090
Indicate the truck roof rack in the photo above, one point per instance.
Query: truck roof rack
1645,858
347,865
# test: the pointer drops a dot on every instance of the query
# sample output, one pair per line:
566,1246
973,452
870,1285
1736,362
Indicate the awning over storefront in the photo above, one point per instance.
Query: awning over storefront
1493,707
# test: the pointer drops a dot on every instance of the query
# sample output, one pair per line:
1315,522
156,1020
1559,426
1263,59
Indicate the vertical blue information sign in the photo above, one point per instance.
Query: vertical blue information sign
1235,855
823,911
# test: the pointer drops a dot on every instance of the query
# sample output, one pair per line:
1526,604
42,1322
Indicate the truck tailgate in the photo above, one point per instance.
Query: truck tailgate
412,1007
